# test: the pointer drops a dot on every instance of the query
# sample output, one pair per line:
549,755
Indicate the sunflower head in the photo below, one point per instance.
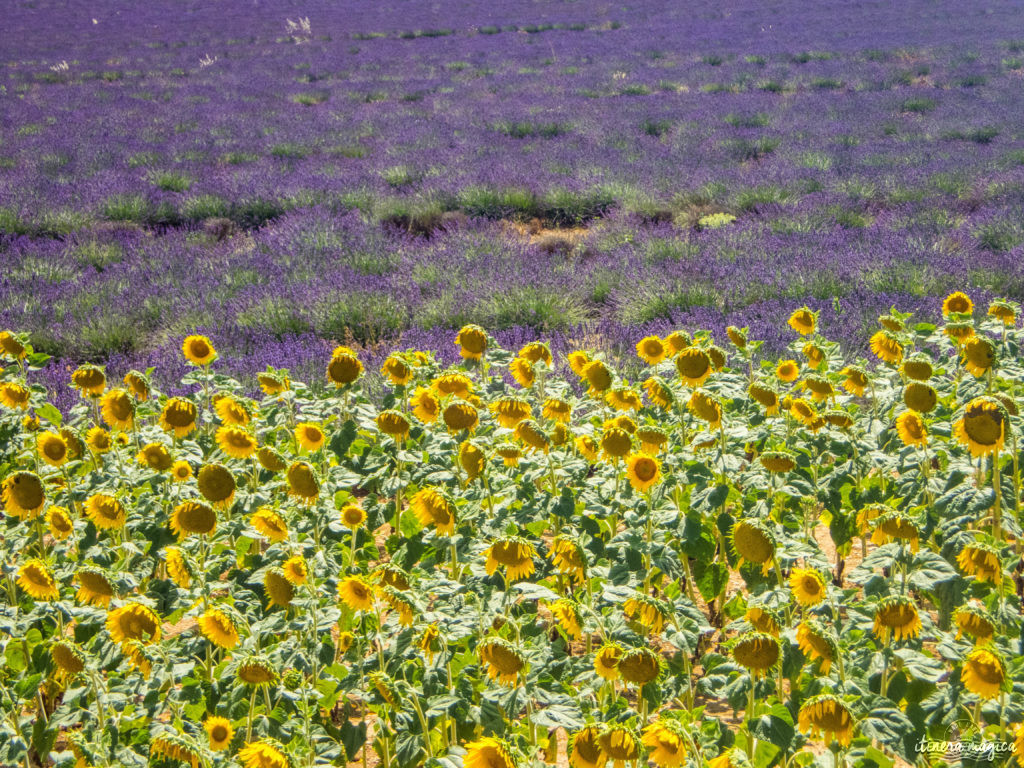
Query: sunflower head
973,620
707,407
895,525
177,567
134,621
896,618
310,437
984,672
981,561
957,303
512,553
89,380
352,516
356,593
23,495
619,743
504,661
105,511
68,658
472,458
763,620
172,745
37,581
982,427
398,370
752,541
584,749
432,507
667,743
659,392
344,368
694,366
52,449
218,628
59,523
219,732
803,321
198,350
256,670
598,376
911,429
826,717
273,382
489,752
738,336
266,753
178,416
12,346
532,436
509,411
808,586
887,347
537,352
758,652
640,666
302,483
651,350
278,588
1004,311
94,587
472,342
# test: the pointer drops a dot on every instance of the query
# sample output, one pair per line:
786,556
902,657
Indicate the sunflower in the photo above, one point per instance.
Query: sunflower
302,482
737,336
707,407
270,524
14,395
973,620
808,586
68,658
643,471
777,462
537,352
75,446
734,758
198,350
118,409
399,373
578,361
694,366
820,388
174,746
295,570
514,553
219,732
911,429
803,321
826,717
652,439
532,436
978,355
352,516
192,517
345,640
472,458
344,367
138,384
887,347
105,511
11,346
98,440
765,396
1005,312
587,447
270,460
522,371
263,754
567,613
156,457
763,620
803,411
231,411
398,601
896,617
177,567
757,652
598,376
133,621
236,442
676,342
568,557
52,448
984,673
659,392
503,661
666,742
356,593
606,661
815,355
753,542
35,578
509,411
310,437
218,628
620,744
455,383
856,381
959,332
278,589
647,611
651,350
94,588
59,522
431,507
23,495
256,670
640,666
892,323
488,753
584,749
178,416
982,427
89,380
981,561
392,423
920,397
957,303
273,382
895,526
31,423
624,399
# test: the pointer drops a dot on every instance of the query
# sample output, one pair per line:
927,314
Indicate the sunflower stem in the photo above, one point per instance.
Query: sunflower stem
997,528
252,706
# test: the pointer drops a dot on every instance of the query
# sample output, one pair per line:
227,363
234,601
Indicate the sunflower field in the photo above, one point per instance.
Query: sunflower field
733,562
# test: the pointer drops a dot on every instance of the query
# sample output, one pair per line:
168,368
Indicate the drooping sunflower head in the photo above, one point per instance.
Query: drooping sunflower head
920,397
356,593
738,336
895,525
217,485
911,429
11,346
584,749
310,437
431,643
957,303
978,355
94,587
752,541
887,347
198,350
620,744
803,321
489,752
896,618
837,417
98,440
616,443
397,369
134,621
982,427
973,620
537,352
808,586
981,560
256,670
218,628
819,387
399,601
37,581
509,411
569,557
273,382
659,392
89,380
522,371
270,524
278,589
52,449
694,366
105,511
1004,311
302,483
652,439
647,611
172,745
178,416
777,462
598,376
826,717
717,356
118,409
623,399
640,666
138,384
156,457
757,652
651,350
856,380
512,553
177,567
568,617
432,507
504,661
68,658
472,458
23,495
766,396
984,672
677,341
14,396
606,661
472,342
344,368
959,332
763,620
460,416
643,471
892,323
667,743
266,753
707,407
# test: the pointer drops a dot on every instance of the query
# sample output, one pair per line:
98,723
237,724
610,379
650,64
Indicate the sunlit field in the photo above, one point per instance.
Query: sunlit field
509,384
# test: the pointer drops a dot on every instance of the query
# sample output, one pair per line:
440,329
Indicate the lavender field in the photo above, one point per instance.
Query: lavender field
583,172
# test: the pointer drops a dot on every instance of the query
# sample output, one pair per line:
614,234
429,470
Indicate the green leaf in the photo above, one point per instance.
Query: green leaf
711,578
559,716
50,414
